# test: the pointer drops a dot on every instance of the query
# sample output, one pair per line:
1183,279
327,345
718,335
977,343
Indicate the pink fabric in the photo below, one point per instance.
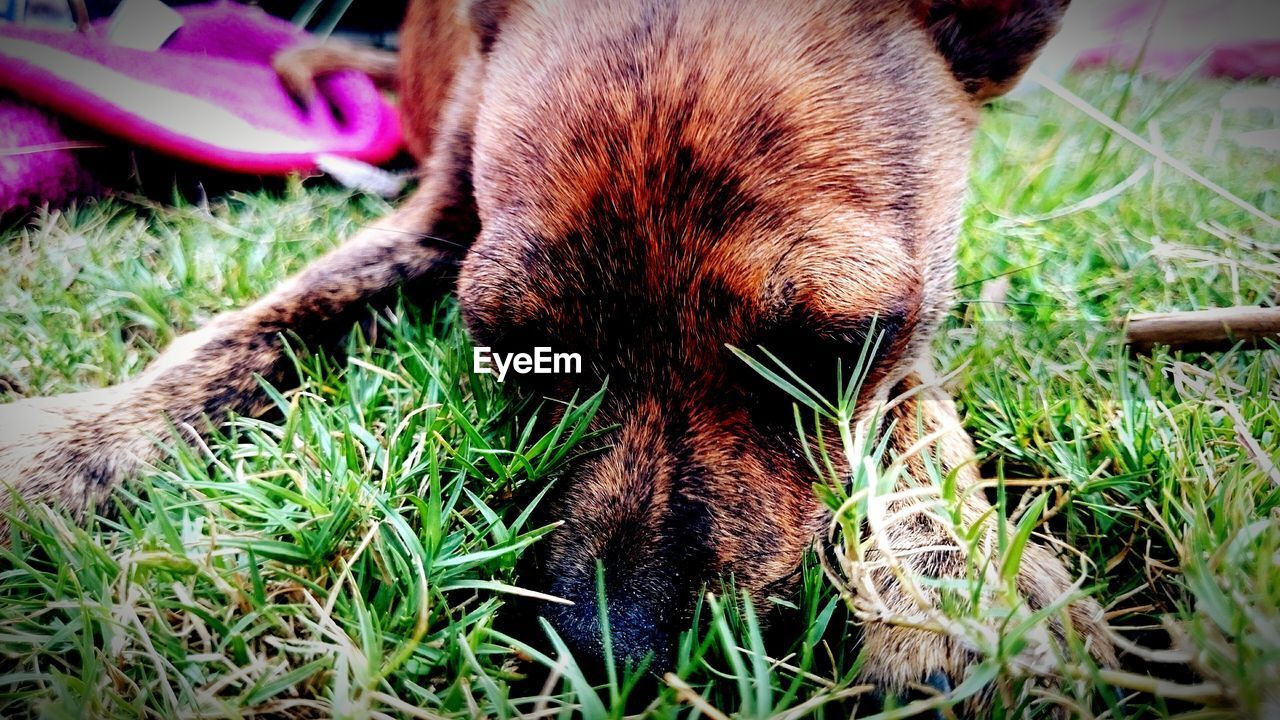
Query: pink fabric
220,102
37,161
1239,39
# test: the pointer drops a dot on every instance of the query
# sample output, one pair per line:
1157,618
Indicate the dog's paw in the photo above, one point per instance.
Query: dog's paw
68,451
297,72
910,663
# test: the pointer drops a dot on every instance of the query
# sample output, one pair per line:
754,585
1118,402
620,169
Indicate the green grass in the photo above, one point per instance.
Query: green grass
348,556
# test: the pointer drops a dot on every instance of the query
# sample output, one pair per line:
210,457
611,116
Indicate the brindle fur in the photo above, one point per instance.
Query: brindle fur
646,182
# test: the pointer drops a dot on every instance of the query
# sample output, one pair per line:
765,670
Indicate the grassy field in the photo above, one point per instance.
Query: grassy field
348,558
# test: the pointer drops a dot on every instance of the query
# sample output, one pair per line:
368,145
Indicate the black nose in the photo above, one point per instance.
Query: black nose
630,559
640,632
642,624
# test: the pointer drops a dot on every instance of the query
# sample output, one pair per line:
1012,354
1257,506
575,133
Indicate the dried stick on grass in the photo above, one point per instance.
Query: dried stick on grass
1204,330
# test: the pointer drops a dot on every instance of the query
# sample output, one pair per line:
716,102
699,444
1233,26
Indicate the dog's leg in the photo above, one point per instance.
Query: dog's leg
901,657
439,47
300,67
70,450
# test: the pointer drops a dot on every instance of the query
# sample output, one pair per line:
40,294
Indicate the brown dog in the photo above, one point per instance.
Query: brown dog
644,182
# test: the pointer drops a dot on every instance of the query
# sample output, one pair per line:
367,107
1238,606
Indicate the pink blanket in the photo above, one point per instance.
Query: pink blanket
207,96
1236,39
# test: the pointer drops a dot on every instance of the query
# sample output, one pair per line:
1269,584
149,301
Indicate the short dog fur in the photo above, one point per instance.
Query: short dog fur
645,182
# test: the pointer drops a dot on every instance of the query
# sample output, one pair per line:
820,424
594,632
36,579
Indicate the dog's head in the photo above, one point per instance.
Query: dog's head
658,180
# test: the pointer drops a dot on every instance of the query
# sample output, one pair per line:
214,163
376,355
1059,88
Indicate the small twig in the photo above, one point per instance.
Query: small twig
1204,330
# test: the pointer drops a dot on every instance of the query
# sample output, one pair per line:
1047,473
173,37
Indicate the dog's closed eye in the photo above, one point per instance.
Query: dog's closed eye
826,355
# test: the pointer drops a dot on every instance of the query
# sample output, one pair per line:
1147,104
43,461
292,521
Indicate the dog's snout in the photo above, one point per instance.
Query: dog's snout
685,495
640,629
632,579
636,543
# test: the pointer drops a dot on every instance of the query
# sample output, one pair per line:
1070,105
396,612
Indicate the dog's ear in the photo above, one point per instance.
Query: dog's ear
990,43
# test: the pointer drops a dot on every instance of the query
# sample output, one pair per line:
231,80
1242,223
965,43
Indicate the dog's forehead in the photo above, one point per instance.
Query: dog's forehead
652,161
